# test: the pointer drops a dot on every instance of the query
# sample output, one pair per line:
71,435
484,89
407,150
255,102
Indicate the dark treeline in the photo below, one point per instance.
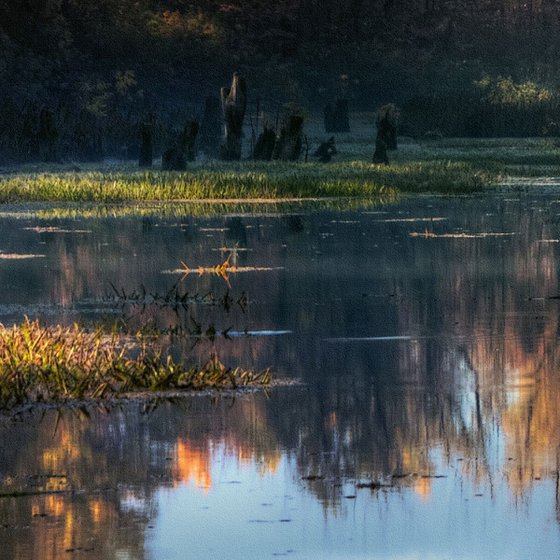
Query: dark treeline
456,67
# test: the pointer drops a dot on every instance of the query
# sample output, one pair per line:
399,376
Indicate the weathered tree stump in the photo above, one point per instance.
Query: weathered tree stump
190,133
380,154
387,125
48,136
234,103
264,148
289,143
326,150
336,118
181,150
210,134
341,117
147,144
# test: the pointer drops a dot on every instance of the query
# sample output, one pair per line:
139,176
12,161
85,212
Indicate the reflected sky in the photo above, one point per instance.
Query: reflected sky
427,424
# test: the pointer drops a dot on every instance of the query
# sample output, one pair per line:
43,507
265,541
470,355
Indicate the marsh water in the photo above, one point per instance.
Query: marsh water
426,423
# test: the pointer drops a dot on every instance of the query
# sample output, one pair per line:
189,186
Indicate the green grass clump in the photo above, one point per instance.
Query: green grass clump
42,364
245,180
449,165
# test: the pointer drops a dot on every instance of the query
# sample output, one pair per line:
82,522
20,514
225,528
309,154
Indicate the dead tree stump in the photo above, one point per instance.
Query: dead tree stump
289,143
210,134
326,150
181,150
147,145
342,119
234,103
190,133
380,154
337,118
48,136
264,148
387,126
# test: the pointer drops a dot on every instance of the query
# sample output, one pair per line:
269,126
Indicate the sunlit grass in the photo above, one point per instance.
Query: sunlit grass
42,364
453,165
202,209
246,180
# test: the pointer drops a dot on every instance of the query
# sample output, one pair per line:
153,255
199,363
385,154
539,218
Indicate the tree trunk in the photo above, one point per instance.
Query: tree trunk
289,143
326,150
94,147
147,145
234,103
264,147
182,150
210,134
190,133
387,126
380,154
48,136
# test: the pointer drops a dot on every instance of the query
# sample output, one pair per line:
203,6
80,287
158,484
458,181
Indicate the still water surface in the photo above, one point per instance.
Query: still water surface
427,425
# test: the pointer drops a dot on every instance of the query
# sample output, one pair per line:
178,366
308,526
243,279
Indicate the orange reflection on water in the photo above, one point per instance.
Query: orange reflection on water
192,464
423,487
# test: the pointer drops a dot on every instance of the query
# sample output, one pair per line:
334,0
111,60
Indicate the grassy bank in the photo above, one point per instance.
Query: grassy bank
45,364
247,180
445,166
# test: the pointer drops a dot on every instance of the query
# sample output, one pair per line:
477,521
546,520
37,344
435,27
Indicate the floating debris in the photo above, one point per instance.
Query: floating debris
399,220
19,256
372,485
257,333
223,270
54,229
232,249
430,234
367,338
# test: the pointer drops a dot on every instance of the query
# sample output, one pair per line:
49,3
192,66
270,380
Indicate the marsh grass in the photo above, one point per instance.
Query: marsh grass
203,208
454,165
246,180
42,364
512,156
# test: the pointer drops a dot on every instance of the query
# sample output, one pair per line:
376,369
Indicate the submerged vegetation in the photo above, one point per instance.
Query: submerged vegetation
41,363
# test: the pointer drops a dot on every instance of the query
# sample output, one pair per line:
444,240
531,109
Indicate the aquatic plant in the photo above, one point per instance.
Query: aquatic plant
55,363
174,298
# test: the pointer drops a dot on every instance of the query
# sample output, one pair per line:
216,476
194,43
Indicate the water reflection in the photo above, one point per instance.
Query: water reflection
428,424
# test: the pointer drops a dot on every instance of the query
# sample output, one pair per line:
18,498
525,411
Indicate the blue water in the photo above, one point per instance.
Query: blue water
425,424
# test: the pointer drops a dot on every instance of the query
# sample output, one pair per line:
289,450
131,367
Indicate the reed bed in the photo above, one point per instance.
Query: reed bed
246,180
55,363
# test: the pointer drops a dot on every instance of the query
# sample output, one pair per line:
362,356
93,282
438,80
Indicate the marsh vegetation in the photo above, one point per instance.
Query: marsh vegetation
40,363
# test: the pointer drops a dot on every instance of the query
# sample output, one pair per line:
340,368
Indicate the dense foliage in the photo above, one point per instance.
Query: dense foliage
109,63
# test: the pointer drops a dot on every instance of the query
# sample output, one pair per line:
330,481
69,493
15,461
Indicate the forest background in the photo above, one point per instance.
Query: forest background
457,67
